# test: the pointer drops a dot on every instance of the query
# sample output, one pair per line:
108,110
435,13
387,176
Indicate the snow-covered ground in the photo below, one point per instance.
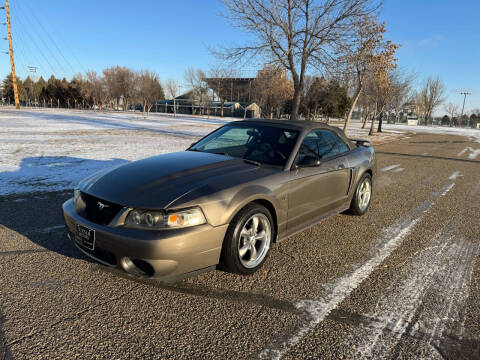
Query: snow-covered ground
50,149
401,130
46,150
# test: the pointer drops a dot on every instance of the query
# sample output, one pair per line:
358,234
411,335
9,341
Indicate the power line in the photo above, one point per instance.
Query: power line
39,49
45,44
32,13
24,47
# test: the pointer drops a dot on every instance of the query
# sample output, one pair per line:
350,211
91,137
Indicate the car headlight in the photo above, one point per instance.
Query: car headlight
146,219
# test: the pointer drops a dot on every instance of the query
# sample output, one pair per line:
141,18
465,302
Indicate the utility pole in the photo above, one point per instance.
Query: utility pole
12,62
464,93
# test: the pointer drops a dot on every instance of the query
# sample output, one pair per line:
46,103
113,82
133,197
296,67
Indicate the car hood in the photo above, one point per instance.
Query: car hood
155,182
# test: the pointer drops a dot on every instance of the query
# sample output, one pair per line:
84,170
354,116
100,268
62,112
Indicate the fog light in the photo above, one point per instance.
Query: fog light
137,267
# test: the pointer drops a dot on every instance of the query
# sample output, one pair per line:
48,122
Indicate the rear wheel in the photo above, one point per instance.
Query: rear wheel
248,239
363,196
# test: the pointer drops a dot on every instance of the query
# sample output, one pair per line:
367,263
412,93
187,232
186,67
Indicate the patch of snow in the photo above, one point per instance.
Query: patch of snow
429,293
440,130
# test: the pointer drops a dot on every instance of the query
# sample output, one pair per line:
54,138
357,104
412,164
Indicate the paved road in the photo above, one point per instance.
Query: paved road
401,282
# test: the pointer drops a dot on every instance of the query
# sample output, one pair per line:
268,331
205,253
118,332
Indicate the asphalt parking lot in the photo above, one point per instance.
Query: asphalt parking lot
403,281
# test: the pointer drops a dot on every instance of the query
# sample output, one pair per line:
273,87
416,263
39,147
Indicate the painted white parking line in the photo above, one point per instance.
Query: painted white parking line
447,188
455,175
390,167
473,153
392,237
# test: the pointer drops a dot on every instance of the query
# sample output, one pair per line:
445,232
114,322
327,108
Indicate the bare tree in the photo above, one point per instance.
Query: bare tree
475,112
172,88
149,89
196,80
401,85
120,84
431,96
221,81
452,111
93,88
297,35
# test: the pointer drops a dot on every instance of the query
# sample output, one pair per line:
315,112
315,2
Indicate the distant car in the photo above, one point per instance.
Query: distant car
223,201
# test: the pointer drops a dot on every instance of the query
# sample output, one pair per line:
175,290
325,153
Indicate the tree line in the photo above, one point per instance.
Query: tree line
120,88
117,88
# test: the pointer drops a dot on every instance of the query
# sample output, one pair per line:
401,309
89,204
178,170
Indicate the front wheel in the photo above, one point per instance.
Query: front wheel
362,197
248,239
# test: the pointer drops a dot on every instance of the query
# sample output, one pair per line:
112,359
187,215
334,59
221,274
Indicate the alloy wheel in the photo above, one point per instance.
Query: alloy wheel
364,194
254,241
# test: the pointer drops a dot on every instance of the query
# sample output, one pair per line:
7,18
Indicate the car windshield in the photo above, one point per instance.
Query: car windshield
260,143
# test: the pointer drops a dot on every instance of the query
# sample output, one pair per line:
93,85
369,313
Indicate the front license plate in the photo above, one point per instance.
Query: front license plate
85,237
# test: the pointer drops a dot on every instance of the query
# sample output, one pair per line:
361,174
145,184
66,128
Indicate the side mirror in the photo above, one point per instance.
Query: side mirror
308,161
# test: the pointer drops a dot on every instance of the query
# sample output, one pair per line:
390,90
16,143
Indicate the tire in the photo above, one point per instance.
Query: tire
245,250
359,205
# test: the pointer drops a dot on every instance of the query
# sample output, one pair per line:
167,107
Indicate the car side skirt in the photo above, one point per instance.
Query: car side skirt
311,223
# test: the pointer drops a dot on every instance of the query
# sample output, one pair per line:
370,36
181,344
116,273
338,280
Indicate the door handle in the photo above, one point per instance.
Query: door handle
341,166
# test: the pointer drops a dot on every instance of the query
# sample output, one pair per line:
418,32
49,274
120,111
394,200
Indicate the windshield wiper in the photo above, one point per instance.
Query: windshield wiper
253,162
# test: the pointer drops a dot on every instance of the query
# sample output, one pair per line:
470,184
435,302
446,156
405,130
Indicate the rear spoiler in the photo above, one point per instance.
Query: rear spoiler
360,142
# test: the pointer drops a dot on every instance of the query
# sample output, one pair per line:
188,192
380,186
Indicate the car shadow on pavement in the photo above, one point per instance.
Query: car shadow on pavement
188,288
37,214
38,218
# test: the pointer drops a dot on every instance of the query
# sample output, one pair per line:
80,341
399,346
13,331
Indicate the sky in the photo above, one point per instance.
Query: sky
438,37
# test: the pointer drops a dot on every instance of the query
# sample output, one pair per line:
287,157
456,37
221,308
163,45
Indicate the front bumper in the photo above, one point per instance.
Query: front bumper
167,253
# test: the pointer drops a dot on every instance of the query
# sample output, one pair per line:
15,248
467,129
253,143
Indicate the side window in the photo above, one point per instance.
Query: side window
309,148
329,144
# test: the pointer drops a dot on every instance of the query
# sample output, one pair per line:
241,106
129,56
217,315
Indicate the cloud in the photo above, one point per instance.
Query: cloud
431,41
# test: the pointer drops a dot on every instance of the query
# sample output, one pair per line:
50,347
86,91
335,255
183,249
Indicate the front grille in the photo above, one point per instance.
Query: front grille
99,211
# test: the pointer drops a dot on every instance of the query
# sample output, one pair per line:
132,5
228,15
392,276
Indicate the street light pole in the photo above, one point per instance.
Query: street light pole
464,93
